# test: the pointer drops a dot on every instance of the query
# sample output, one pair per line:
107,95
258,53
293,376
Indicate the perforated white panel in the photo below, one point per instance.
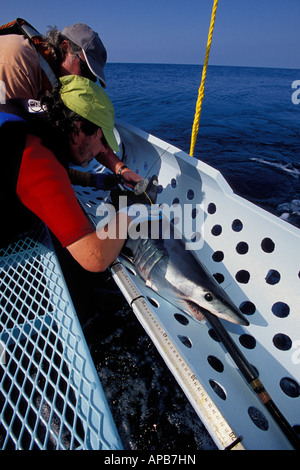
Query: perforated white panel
255,258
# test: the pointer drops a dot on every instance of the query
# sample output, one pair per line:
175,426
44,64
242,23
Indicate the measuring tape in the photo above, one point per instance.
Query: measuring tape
210,415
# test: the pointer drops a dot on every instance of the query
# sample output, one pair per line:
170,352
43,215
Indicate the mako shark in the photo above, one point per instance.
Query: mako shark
175,273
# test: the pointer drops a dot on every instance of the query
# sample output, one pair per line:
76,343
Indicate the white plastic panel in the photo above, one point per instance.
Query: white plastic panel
255,258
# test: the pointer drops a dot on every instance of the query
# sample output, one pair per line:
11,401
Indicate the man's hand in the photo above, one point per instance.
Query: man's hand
129,177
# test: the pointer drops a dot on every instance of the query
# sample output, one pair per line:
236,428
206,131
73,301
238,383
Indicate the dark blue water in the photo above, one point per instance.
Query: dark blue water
249,126
249,130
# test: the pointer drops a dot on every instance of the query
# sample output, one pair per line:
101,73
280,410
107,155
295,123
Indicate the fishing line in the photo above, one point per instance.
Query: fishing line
151,202
143,190
158,158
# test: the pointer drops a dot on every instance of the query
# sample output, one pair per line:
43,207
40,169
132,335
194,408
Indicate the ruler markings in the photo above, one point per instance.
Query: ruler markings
220,430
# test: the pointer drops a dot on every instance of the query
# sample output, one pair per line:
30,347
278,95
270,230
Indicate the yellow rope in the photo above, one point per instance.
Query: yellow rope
201,89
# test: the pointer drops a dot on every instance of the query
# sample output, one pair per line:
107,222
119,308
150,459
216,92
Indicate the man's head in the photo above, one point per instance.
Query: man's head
84,113
81,51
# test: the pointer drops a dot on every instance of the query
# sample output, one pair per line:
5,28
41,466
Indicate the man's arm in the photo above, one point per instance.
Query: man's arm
47,192
113,163
95,253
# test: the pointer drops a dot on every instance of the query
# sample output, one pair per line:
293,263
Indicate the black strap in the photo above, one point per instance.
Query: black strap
120,170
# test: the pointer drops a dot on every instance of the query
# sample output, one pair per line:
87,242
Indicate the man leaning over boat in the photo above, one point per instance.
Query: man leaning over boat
31,64
78,128
35,155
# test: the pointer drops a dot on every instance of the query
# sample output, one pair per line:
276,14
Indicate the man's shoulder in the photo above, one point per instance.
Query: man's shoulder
16,42
16,49
35,143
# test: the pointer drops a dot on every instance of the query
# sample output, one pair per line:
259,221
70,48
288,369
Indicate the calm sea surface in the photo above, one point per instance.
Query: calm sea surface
249,126
250,131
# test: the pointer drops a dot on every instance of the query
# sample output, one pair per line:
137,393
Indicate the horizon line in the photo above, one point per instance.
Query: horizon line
201,65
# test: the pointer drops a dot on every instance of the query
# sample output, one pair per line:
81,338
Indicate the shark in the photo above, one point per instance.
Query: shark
161,259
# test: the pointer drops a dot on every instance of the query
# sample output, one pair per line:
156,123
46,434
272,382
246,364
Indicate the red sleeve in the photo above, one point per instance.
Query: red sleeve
45,188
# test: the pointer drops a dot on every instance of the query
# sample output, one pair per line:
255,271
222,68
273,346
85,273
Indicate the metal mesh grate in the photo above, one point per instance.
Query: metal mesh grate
50,394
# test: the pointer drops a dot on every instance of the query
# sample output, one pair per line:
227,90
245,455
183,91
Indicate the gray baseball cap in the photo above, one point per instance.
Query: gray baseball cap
92,47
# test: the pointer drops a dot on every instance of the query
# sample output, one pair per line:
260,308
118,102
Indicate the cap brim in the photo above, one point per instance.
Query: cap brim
111,139
95,68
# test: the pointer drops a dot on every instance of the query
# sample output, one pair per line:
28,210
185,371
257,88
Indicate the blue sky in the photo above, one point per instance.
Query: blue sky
262,33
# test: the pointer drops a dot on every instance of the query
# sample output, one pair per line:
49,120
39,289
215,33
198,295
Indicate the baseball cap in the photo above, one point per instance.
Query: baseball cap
92,47
87,99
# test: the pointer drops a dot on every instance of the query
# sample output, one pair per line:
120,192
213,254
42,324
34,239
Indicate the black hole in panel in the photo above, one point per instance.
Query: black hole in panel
218,389
215,363
181,319
290,387
173,183
175,220
242,248
258,418
267,245
153,302
242,276
248,308
237,225
247,341
194,213
282,342
195,237
131,271
211,209
214,335
280,309
216,230
218,256
219,277
186,341
273,277
190,194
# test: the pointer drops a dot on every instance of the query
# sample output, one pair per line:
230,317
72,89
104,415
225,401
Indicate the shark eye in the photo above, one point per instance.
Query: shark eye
208,297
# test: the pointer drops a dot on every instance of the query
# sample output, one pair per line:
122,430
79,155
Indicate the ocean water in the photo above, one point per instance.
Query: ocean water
249,125
250,131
